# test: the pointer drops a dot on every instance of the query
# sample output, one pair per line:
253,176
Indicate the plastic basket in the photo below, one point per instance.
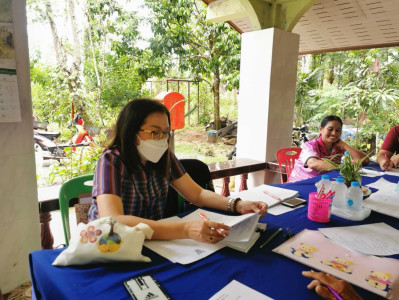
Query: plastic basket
319,210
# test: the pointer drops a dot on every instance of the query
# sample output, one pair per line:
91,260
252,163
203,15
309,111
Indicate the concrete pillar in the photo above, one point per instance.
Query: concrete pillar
266,99
19,211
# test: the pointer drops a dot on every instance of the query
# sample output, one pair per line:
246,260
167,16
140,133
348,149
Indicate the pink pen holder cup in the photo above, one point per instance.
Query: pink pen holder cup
319,210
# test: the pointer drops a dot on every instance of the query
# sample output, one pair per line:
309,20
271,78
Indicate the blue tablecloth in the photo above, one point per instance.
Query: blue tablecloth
260,269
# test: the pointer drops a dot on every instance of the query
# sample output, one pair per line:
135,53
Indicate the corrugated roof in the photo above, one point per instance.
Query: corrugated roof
334,25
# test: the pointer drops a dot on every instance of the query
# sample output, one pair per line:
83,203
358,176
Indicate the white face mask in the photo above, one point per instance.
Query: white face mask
152,150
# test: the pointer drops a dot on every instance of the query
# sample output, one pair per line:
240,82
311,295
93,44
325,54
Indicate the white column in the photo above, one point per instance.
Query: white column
19,212
266,97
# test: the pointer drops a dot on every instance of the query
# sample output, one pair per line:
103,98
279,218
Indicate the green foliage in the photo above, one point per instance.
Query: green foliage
350,171
184,39
350,84
77,162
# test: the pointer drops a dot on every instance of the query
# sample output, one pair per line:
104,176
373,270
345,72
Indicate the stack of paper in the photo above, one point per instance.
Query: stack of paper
266,193
246,246
241,237
385,200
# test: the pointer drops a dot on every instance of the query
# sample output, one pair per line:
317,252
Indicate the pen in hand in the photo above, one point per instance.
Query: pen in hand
205,218
271,237
335,293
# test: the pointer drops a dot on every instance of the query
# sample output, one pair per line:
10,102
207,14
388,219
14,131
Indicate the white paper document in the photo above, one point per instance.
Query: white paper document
393,172
241,237
183,251
371,172
264,193
379,275
281,209
246,246
381,183
242,226
385,200
237,291
374,239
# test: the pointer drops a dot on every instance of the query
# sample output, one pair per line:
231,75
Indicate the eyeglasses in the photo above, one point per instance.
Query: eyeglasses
157,134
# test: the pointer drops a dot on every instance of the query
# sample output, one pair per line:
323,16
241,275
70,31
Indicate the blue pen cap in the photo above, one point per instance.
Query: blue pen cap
340,180
326,177
355,183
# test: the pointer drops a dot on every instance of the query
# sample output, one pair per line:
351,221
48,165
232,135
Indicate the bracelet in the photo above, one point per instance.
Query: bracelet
229,205
235,204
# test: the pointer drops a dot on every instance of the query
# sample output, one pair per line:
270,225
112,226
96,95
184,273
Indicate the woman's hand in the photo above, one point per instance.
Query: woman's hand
245,207
322,280
341,144
206,231
395,160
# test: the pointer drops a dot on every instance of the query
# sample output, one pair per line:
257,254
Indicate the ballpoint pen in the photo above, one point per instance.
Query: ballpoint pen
205,218
271,237
335,293
272,195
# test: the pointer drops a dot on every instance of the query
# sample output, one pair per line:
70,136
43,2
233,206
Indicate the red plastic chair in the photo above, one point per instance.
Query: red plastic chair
287,156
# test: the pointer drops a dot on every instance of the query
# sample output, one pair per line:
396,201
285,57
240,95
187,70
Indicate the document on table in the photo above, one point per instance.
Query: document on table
379,275
281,209
385,200
381,183
242,226
393,172
371,172
374,239
265,194
185,251
236,290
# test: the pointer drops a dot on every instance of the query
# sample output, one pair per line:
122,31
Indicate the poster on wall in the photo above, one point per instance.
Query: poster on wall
9,99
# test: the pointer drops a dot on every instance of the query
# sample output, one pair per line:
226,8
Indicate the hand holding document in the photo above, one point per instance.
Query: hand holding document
266,193
242,226
241,237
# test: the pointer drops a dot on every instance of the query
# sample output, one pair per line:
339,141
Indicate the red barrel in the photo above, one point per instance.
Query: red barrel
175,103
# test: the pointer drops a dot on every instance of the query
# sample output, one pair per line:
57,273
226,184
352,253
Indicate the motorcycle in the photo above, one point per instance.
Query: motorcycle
81,137
45,142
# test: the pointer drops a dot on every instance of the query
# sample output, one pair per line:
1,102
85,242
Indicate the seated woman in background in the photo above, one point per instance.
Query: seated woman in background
329,143
385,157
133,175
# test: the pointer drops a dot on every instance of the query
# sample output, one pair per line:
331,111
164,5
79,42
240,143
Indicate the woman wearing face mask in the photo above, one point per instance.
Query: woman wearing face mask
133,175
328,144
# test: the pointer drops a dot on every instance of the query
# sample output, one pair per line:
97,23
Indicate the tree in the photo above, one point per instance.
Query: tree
208,52
96,67
361,86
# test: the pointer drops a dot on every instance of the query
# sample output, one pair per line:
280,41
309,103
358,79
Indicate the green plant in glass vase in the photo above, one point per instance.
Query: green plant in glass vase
350,170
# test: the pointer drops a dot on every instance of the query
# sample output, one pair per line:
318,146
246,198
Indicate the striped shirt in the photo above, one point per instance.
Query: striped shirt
143,193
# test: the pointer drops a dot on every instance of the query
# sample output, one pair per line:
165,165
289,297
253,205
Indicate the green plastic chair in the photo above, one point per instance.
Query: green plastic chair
69,190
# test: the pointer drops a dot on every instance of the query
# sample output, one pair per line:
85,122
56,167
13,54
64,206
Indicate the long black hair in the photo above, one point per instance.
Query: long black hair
329,119
128,124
